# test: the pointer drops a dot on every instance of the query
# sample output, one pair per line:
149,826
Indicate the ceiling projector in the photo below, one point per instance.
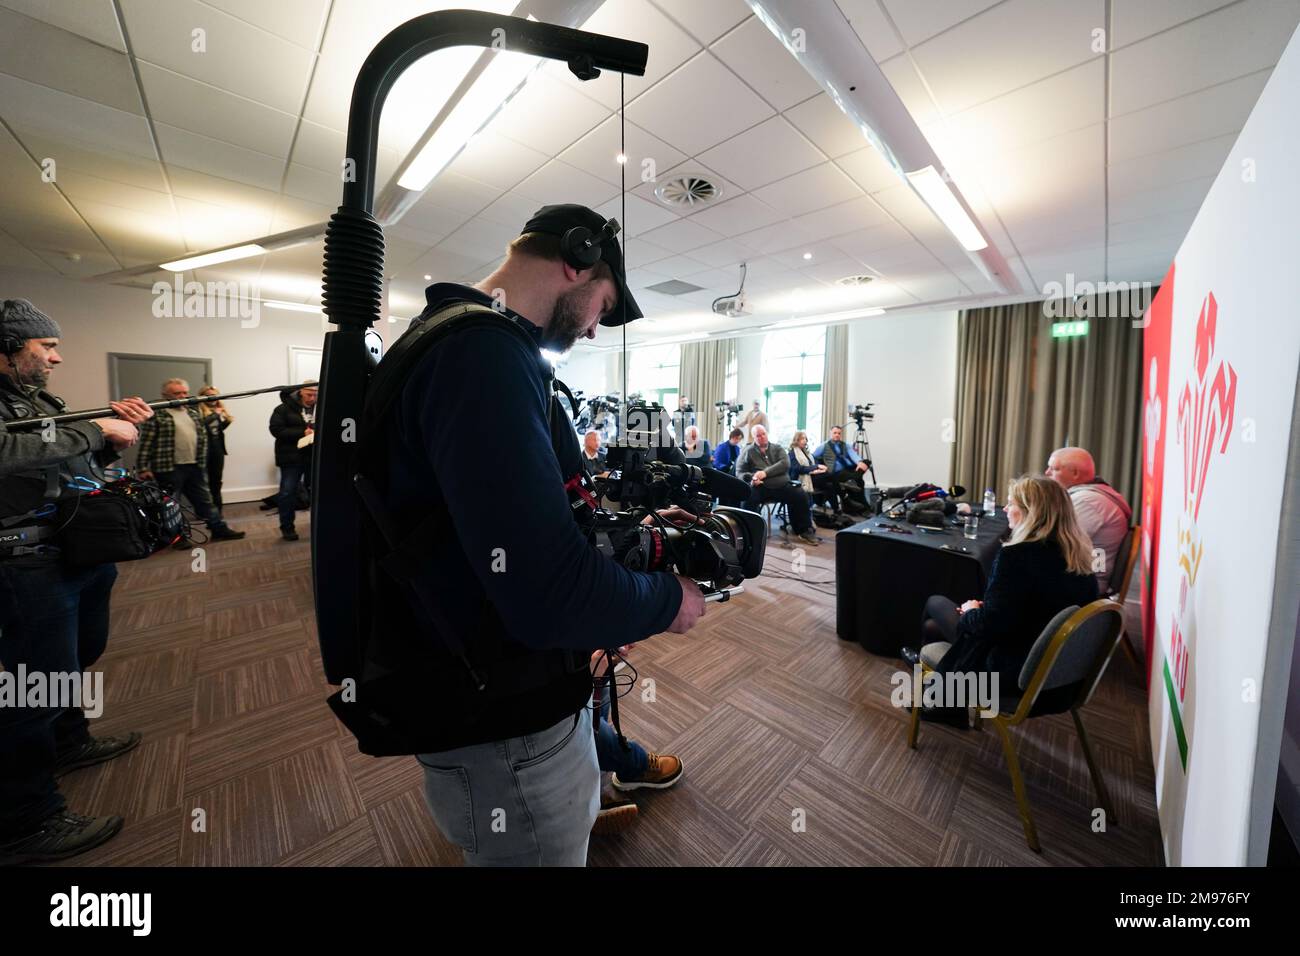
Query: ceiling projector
733,306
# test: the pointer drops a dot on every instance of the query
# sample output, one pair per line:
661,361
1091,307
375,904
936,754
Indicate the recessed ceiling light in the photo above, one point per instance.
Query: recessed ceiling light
807,255
428,278
621,157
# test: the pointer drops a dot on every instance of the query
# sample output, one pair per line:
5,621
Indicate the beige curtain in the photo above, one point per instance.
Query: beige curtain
1022,393
835,380
702,378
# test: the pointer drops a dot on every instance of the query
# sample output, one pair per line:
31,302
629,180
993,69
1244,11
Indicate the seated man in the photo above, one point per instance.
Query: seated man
1103,513
845,469
592,459
724,459
766,466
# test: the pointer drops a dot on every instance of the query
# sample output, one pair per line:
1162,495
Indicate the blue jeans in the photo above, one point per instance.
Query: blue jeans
190,481
526,801
629,764
51,620
290,479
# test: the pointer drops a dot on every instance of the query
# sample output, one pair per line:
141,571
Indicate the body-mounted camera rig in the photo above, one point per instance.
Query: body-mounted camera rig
354,286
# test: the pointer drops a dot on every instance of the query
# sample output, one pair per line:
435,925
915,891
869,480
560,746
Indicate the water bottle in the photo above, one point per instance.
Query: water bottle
990,502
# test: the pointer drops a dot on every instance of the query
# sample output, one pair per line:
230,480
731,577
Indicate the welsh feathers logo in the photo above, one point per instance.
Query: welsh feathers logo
1204,428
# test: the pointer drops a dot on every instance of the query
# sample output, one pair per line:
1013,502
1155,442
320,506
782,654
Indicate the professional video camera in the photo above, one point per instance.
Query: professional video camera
727,411
647,473
862,413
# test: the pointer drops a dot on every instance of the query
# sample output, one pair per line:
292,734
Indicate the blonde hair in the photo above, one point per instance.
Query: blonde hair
1049,516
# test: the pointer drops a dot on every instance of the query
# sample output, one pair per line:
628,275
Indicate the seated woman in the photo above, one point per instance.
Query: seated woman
1045,567
696,449
803,466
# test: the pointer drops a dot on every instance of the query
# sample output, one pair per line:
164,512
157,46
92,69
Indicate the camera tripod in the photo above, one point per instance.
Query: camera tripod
862,447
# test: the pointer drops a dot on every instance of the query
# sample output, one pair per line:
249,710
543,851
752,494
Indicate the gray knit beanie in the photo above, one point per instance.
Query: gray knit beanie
20,320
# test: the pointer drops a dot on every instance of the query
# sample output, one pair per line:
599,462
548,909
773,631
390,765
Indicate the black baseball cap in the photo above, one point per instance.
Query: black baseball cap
559,219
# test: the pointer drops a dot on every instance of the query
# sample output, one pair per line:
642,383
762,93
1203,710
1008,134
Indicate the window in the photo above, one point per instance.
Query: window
793,361
655,372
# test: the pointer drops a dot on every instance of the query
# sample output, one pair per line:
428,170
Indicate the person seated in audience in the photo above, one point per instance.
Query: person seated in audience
696,449
1103,513
632,768
725,457
804,467
766,466
1044,568
592,457
755,416
845,472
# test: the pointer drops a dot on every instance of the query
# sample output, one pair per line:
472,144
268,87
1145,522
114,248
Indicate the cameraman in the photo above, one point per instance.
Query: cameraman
52,620
515,783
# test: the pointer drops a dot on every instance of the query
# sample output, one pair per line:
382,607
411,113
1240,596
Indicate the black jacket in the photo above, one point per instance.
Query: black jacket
288,425
1028,586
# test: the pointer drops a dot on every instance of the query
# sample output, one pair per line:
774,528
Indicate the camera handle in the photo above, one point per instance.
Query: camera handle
725,594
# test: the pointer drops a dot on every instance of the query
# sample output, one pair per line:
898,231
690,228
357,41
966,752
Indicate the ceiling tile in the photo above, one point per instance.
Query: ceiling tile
31,109
742,214
971,63
872,27
1133,176
862,243
769,151
238,57
1162,199
116,166
298,21
841,219
682,236
918,20
816,188
869,170
760,59
826,126
705,21
1133,20
455,192
495,161
698,106
1230,43
548,115
597,153
17,256
776,238
558,182
92,19
1163,225
728,252
479,239
79,187
190,105
1218,111
511,209
207,155
314,185
53,57
906,81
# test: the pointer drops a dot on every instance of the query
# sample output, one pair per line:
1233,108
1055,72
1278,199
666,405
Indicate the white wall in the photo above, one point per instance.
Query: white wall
98,319
585,371
907,366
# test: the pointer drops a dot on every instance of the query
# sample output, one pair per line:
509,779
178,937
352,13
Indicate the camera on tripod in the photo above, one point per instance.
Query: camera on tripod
862,413
648,473
727,410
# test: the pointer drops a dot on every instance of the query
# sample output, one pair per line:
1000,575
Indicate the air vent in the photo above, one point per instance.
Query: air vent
688,192
855,280
674,287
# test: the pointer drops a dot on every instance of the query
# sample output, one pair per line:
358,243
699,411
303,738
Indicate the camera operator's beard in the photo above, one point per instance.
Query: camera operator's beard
29,370
567,324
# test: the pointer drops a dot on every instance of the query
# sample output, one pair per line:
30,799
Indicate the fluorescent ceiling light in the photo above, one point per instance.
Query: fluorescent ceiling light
494,88
931,187
830,317
293,306
212,258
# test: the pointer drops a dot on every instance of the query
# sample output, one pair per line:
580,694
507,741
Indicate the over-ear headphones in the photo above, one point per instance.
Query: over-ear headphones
9,346
580,248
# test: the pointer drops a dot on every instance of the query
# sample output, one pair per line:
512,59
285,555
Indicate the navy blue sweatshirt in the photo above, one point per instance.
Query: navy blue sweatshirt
484,390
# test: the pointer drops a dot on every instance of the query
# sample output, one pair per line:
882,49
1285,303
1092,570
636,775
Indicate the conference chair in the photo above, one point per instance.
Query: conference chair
1117,588
1072,651
776,509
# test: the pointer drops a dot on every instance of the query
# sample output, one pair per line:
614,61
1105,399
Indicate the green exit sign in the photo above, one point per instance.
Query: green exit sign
1066,330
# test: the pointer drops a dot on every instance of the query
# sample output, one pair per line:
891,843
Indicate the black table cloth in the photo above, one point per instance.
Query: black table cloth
883,577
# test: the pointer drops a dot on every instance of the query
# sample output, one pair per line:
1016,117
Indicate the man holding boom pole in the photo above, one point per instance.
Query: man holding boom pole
53,620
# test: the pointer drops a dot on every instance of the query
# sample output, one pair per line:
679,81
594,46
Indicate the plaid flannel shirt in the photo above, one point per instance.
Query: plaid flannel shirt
158,442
